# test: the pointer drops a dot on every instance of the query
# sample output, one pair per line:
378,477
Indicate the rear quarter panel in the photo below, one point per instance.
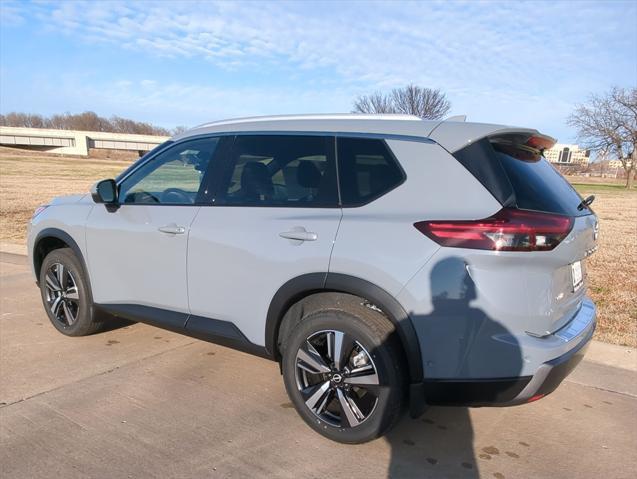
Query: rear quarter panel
473,310
378,242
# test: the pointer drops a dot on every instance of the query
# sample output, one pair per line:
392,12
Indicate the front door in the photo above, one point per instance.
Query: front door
137,252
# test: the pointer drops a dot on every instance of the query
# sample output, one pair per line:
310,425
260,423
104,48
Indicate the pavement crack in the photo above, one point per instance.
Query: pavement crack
102,373
599,388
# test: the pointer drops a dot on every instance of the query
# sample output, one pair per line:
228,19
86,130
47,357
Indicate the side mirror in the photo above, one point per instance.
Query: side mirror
105,191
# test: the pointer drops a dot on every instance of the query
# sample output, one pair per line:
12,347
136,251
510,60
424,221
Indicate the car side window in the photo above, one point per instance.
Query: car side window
173,177
281,170
367,170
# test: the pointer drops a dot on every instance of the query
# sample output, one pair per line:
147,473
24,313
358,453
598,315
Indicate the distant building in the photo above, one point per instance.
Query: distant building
567,155
617,164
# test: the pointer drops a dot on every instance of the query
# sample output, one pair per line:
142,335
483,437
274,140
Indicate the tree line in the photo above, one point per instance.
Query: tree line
86,121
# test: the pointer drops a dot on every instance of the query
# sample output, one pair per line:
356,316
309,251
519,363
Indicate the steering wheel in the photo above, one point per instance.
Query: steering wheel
141,197
176,196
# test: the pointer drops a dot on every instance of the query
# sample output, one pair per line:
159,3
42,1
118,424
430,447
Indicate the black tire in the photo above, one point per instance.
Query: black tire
73,302
376,335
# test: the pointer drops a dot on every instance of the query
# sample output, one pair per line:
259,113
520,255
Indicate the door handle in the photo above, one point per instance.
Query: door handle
172,229
299,235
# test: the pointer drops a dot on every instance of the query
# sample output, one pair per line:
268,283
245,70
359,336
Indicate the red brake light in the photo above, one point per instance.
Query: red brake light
535,398
508,230
540,142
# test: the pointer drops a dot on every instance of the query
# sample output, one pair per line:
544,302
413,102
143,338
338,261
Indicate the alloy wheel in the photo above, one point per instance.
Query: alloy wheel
62,295
337,378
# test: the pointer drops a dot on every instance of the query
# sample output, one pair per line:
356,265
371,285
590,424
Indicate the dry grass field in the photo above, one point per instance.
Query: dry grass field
27,181
612,270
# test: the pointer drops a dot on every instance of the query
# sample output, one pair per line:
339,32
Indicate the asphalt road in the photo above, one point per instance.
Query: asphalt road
142,402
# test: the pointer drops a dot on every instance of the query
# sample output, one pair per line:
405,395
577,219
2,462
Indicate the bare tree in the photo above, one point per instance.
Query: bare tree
423,102
178,130
426,103
23,119
608,123
86,121
377,102
124,125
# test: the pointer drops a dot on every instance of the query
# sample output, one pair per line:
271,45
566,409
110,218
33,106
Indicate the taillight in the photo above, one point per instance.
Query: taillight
535,398
540,142
508,230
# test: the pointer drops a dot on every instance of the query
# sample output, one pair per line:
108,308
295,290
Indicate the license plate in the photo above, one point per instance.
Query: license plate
576,274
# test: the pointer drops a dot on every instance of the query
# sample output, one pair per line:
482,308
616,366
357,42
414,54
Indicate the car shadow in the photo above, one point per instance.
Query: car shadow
459,342
111,323
438,444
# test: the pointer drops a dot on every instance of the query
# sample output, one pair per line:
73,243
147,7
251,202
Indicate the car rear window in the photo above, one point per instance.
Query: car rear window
519,177
539,186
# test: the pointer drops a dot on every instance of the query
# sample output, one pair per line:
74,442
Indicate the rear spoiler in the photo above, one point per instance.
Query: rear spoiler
453,135
535,141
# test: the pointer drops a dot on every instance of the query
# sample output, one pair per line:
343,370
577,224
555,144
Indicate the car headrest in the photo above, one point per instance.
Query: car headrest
308,174
255,178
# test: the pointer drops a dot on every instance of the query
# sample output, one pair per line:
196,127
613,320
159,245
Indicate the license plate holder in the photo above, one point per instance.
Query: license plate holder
576,275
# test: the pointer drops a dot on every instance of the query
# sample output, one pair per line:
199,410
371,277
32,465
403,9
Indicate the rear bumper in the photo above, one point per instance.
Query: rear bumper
516,390
551,374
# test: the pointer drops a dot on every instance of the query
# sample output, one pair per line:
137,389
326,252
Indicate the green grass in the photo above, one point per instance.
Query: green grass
591,188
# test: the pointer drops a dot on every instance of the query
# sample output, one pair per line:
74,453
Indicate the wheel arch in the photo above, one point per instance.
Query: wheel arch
50,239
305,285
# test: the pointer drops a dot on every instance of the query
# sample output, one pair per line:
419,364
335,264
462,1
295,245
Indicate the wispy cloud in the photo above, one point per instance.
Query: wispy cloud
376,44
10,13
500,61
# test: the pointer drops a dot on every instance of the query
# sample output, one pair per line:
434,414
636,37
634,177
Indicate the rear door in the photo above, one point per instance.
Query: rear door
137,251
274,217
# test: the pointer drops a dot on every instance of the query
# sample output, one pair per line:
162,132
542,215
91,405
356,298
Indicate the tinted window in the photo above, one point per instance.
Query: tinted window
172,177
539,186
280,170
367,170
480,159
518,176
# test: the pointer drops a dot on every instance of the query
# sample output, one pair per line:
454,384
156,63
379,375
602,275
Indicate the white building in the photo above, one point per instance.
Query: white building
563,154
617,164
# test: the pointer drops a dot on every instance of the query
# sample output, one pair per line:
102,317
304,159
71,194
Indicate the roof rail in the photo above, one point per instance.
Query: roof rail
315,116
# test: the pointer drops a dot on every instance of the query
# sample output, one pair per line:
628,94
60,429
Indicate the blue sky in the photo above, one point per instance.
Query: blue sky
523,63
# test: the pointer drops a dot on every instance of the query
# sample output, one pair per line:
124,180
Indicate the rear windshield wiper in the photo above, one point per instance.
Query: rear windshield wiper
586,202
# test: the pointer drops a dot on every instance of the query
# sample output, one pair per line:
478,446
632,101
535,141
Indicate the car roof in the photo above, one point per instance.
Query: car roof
451,134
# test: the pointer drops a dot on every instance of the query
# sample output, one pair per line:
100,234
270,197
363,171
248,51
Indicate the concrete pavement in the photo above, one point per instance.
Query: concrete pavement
138,401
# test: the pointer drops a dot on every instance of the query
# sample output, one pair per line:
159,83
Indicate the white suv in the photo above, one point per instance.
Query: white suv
383,260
